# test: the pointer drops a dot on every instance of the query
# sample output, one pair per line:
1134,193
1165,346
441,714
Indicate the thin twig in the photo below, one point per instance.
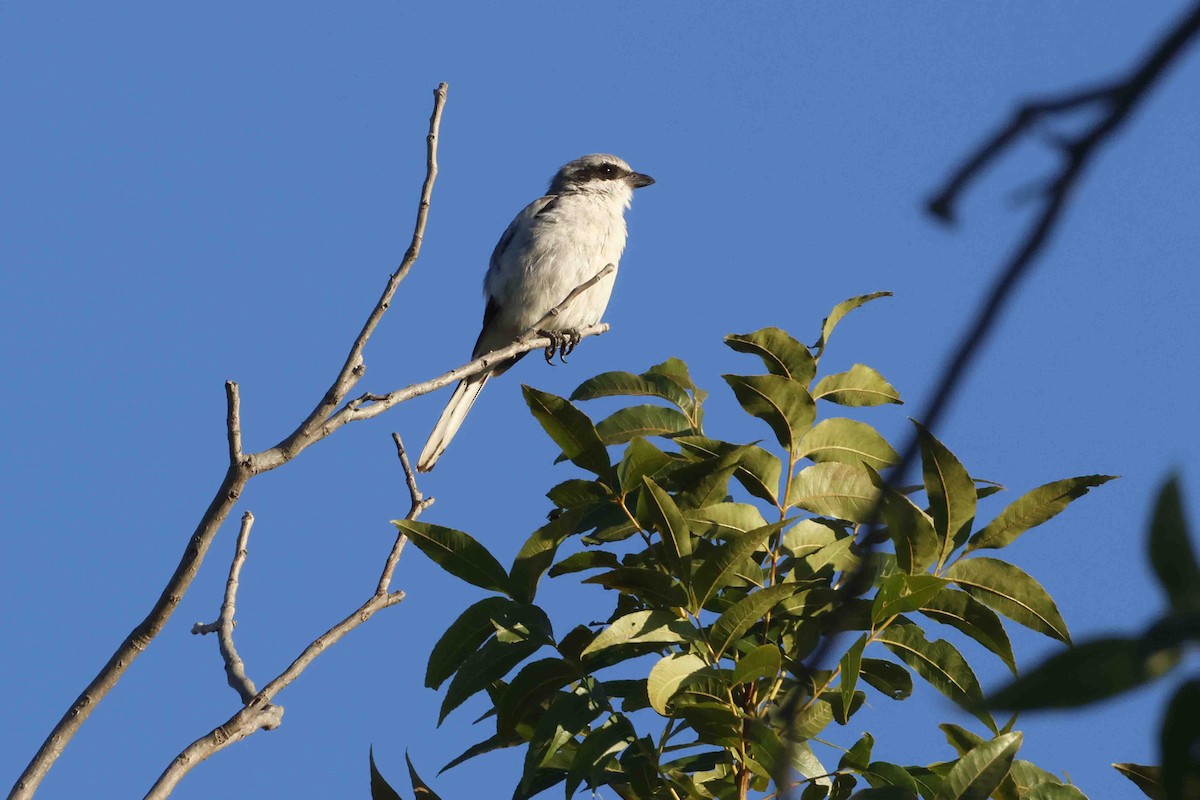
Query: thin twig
259,711
235,669
370,405
226,497
1118,100
419,503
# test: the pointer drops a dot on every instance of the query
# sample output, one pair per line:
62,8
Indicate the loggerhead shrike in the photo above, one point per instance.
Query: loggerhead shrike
557,243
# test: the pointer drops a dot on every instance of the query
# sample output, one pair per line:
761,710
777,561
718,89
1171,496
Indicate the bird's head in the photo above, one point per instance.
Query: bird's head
599,173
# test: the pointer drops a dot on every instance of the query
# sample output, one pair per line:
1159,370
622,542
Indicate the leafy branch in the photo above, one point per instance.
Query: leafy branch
712,605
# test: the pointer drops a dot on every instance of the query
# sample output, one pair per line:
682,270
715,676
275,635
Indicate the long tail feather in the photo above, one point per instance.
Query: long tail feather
452,417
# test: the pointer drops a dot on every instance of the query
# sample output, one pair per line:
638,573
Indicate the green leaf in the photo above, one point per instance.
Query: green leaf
837,557
886,793
671,525
1056,791
645,584
703,482
881,774
780,353
612,384
724,520
1010,591
910,528
720,565
782,403
599,748
809,535
742,615
716,723
977,774
1027,776
834,490
758,470
763,661
537,682
521,622
1146,778
858,757
900,594
940,664
815,791
843,785
1086,673
457,553
668,675
839,311
577,492
951,493
537,554
812,720
851,663
1180,744
891,679
585,559
488,745
380,788
961,739
1032,509
858,386
676,371
640,459
567,717
962,611
641,627
491,662
847,441
645,420
420,789
570,429
1171,552
464,636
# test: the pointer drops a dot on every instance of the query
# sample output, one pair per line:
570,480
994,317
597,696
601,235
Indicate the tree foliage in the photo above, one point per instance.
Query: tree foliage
723,560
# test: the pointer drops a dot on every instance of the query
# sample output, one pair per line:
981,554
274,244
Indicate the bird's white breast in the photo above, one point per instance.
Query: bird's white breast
553,252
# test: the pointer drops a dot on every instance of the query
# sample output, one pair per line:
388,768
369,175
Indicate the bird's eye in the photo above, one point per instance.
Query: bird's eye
608,170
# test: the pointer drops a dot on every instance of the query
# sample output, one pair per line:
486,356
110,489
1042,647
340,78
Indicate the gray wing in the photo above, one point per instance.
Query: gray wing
527,215
530,212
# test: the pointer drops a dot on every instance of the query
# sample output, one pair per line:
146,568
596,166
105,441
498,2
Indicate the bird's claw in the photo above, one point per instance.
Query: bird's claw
561,342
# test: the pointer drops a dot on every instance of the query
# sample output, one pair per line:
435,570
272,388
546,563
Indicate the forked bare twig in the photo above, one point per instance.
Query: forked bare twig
259,712
241,469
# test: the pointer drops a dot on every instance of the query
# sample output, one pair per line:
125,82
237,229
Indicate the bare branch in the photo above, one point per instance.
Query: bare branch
235,669
354,368
1117,100
239,472
259,712
233,422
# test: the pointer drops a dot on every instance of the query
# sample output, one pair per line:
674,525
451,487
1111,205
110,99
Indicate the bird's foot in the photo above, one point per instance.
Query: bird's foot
562,342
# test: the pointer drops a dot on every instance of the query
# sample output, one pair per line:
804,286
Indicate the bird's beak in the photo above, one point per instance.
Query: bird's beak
637,180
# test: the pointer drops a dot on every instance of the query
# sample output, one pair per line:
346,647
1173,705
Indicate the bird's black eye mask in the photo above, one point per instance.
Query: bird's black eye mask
607,172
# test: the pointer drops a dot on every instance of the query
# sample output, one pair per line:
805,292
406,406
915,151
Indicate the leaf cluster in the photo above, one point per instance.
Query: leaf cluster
722,560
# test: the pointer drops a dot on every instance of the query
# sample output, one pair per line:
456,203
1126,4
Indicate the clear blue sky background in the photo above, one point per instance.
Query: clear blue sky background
194,193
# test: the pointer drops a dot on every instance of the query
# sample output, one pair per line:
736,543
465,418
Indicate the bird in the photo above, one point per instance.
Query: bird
556,244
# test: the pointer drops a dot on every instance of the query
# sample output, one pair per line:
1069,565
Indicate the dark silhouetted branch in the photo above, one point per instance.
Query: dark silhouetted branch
1116,101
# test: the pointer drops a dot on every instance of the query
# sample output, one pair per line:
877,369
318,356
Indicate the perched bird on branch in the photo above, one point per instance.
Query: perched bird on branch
556,244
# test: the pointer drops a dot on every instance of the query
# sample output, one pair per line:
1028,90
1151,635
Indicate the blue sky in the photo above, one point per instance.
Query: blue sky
196,193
